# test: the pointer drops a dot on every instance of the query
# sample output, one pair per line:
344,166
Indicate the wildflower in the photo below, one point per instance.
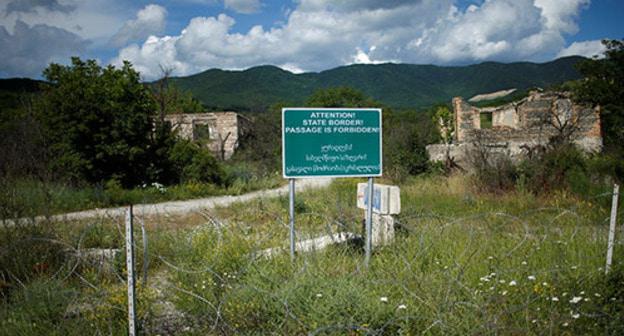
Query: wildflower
490,258
484,279
587,299
555,299
582,293
575,316
565,324
534,321
524,263
573,267
512,283
319,295
531,277
597,295
544,284
383,299
504,293
402,306
501,281
576,299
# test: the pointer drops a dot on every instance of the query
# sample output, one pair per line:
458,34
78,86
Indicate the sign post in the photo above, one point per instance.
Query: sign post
331,142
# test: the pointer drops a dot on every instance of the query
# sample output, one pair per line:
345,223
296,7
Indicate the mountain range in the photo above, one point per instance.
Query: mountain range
394,85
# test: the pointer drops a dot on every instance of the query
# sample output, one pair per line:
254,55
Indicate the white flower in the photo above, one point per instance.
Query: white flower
484,279
501,281
573,267
524,263
531,277
383,299
544,283
555,299
319,295
576,299
402,306
504,293
490,257
575,316
565,324
512,283
534,321
582,293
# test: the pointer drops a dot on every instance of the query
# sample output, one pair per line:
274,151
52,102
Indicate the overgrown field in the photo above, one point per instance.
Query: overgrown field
462,263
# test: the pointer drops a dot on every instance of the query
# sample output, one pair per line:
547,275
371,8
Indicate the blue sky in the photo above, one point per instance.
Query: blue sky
189,36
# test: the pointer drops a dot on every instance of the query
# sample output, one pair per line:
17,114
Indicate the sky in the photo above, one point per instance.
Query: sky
190,36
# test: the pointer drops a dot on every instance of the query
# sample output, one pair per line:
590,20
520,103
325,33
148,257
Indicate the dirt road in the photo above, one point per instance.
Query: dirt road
181,207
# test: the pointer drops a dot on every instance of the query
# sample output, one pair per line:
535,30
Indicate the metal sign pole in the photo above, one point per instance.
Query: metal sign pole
130,269
291,208
369,221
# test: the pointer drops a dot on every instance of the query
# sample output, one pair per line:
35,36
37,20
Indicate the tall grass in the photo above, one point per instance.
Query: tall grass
462,263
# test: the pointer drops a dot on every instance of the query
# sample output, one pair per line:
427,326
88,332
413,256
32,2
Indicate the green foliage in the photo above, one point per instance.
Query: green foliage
193,163
443,118
406,134
340,97
99,122
395,85
603,84
261,147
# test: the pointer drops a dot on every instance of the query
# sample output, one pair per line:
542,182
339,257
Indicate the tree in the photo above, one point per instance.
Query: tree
340,97
100,123
603,84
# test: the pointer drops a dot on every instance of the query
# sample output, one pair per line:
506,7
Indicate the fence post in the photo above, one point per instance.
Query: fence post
291,210
369,222
614,206
130,269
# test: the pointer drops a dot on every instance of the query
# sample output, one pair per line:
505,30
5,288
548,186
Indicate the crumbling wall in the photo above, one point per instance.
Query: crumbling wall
519,126
219,131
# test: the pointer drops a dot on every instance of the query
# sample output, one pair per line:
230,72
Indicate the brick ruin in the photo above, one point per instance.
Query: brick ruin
519,127
219,131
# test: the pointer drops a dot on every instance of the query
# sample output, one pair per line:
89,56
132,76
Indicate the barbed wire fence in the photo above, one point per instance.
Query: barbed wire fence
441,275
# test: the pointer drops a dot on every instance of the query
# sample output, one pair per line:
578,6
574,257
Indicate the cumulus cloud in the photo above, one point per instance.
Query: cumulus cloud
321,34
149,21
29,50
584,48
243,6
27,6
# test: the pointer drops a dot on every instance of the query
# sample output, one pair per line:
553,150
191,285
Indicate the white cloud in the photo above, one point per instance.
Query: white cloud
584,48
28,50
243,6
321,34
149,21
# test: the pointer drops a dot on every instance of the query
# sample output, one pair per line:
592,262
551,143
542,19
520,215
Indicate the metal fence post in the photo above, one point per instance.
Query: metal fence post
130,269
291,208
369,221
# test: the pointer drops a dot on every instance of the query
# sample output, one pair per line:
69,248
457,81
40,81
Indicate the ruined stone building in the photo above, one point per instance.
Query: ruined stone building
219,131
519,127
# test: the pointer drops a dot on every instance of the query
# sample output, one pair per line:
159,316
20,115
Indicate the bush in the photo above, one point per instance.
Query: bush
195,164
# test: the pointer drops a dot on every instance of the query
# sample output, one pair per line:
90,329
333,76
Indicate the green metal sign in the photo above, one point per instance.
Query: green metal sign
331,142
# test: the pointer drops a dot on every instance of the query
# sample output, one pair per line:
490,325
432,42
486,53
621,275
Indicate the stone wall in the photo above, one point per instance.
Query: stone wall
521,125
219,131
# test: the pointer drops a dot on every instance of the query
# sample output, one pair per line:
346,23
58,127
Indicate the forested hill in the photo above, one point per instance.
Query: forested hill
396,85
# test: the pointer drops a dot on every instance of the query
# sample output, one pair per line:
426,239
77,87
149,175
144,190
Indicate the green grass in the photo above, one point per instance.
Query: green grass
25,198
462,263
